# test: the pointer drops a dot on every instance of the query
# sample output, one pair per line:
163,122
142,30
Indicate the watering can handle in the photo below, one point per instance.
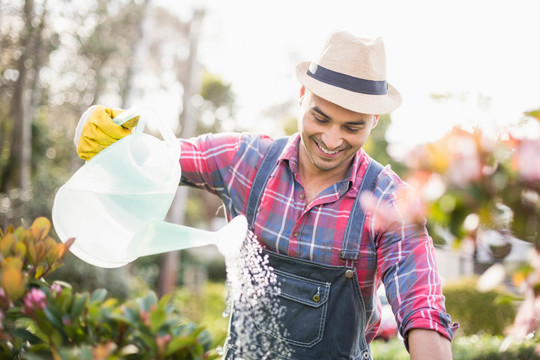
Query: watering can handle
144,115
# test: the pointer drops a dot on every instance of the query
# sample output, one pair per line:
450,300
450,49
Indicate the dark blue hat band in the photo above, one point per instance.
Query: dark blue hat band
347,82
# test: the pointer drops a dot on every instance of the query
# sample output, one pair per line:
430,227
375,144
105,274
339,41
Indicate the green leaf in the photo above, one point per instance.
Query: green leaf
149,341
78,306
165,300
27,335
55,318
180,343
205,338
98,295
6,244
148,301
39,352
20,250
40,228
120,318
39,272
213,356
535,114
65,299
157,318
131,315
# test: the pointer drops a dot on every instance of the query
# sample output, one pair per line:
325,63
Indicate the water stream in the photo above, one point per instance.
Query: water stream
252,291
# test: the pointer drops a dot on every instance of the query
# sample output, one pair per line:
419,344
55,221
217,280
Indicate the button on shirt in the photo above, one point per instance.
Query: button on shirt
400,255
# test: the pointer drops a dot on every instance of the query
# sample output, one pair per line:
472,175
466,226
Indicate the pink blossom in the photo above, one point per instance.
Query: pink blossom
406,207
56,289
527,159
527,320
162,341
34,300
465,166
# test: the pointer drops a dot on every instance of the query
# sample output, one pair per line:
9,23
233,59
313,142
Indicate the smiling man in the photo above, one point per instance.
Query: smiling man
302,197
330,138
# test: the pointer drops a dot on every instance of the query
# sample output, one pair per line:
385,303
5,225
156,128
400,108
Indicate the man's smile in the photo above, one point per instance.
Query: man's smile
327,151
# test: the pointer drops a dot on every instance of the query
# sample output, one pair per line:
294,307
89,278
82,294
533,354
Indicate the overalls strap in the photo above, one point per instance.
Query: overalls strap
261,177
355,225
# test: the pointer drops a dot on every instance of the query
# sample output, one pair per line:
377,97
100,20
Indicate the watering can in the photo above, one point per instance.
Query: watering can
115,204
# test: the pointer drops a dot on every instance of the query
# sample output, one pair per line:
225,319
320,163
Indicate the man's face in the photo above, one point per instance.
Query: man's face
331,135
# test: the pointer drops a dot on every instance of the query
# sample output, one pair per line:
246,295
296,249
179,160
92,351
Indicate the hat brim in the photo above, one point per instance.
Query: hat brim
357,102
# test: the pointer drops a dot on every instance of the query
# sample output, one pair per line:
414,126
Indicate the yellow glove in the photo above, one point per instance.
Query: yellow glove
97,130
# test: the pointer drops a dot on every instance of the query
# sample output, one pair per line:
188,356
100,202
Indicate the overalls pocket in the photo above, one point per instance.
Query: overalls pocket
302,304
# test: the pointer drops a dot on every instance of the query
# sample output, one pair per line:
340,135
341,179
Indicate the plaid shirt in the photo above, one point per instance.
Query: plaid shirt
400,255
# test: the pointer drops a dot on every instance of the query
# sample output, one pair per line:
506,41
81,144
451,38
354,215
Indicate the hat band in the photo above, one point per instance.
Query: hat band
347,82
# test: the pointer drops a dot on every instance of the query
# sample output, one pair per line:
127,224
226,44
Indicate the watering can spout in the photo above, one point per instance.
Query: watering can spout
159,236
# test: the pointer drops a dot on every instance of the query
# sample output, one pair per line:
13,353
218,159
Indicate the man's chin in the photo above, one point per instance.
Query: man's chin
324,165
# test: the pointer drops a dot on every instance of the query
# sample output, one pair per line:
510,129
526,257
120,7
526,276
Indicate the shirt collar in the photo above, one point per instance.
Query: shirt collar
290,153
354,174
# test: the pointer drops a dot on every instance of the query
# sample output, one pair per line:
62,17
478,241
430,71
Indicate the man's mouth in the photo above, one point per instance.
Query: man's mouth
328,152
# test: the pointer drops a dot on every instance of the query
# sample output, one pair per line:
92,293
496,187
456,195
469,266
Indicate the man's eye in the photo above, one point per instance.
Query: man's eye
352,129
320,119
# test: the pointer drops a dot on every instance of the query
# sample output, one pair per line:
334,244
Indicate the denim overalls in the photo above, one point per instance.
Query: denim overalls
323,310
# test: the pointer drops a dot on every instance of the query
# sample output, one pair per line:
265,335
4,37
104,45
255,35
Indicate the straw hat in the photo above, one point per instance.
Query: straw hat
351,72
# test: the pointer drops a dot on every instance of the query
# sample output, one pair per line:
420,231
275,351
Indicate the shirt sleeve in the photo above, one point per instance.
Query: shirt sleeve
407,263
205,160
223,164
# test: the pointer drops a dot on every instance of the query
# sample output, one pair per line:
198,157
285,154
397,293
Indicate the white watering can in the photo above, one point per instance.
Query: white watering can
115,204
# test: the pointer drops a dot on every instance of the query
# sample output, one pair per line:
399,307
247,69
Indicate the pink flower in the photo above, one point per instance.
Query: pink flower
34,300
527,160
406,207
56,289
161,342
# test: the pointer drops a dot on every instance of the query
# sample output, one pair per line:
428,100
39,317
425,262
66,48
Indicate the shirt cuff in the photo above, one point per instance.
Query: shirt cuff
429,320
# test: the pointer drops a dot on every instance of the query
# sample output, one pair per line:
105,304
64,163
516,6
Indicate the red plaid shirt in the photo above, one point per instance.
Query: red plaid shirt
399,254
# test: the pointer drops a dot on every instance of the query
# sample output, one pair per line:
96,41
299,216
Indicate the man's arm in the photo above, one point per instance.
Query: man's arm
428,344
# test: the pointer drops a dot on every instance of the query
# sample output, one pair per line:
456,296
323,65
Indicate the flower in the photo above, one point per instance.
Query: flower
56,289
162,341
404,207
33,301
526,160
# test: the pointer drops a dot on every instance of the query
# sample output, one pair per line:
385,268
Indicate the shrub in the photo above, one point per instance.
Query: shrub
487,347
51,321
474,347
478,312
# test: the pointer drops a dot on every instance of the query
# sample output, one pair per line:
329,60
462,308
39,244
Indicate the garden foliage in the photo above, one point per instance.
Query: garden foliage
479,312
50,321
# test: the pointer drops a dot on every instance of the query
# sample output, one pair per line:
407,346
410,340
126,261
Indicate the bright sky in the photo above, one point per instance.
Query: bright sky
486,53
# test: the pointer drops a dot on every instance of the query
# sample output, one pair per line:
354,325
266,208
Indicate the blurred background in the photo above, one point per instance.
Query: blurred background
466,137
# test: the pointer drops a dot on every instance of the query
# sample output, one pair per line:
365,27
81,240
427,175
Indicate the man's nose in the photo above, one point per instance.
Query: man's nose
332,138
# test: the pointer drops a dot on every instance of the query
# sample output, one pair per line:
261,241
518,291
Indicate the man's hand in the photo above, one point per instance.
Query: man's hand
428,345
96,130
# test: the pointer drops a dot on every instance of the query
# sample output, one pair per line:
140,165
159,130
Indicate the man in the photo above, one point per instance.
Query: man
305,210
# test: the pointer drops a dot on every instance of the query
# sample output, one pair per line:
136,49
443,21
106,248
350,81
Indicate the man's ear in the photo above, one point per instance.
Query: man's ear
302,93
375,121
